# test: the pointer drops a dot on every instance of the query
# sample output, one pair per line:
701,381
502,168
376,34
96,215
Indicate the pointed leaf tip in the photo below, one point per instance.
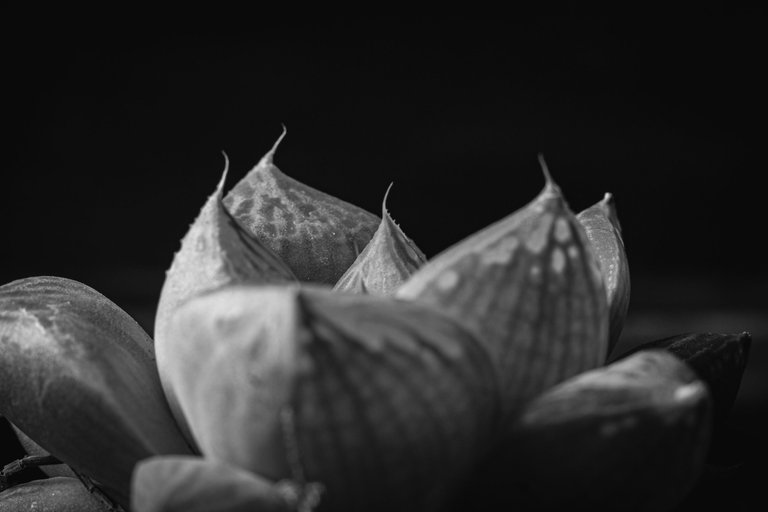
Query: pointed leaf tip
545,169
608,205
387,261
269,157
223,179
543,164
531,289
216,250
551,188
316,234
384,212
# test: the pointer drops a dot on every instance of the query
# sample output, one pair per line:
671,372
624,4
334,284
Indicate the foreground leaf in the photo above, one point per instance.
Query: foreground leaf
316,234
384,403
193,484
631,436
79,378
532,290
216,251
601,223
58,494
388,260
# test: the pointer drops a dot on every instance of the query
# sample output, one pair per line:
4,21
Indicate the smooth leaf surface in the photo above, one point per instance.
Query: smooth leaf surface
79,378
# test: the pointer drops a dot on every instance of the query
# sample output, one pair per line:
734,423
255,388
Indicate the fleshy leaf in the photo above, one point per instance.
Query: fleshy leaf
79,378
60,494
216,251
630,436
384,403
531,289
316,234
601,223
193,484
32,448
718,359
388,260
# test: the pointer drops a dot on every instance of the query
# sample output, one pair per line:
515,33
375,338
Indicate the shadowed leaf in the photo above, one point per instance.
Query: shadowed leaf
718,359
193,484
385,403
630,436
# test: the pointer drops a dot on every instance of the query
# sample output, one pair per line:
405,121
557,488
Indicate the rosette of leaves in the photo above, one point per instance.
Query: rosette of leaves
307,355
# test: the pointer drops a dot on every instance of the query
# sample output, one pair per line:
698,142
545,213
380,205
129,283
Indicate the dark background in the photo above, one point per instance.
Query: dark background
114,141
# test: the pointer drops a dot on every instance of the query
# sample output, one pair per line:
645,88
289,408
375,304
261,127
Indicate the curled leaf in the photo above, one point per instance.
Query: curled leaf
384,403
601,223
718,359
79,378
387,261
60,494
630,436
531,289
216,251
193,484
316,234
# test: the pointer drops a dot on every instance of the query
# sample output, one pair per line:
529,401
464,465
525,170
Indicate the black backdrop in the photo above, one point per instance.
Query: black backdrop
116,139
114,142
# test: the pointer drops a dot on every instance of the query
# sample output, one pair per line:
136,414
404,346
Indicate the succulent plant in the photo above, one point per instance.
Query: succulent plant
307,355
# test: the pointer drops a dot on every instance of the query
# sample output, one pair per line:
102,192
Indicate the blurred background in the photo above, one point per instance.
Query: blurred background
114,140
